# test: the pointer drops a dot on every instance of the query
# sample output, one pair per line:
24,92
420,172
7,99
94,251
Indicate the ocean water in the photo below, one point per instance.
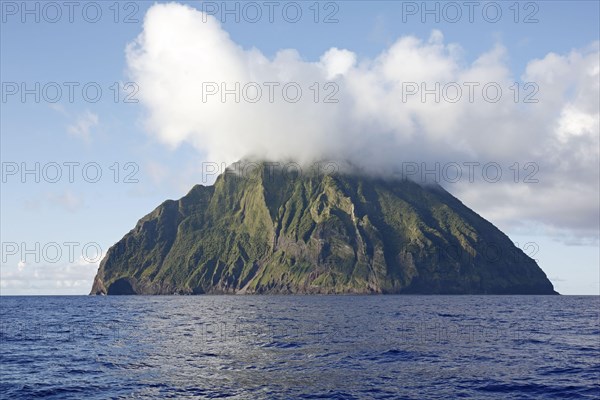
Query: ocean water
307,347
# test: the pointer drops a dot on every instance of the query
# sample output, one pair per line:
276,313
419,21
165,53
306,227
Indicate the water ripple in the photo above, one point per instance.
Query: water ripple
308,347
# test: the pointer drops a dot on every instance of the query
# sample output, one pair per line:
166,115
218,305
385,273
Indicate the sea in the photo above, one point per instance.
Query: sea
300,347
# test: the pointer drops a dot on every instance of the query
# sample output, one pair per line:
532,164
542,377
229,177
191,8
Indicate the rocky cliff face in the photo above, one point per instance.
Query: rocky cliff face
271,232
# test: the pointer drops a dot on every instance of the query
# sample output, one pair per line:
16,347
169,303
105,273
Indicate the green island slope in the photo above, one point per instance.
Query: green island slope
274,232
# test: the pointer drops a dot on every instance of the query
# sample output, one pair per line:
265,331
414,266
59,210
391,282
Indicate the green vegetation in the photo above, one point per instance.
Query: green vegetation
270,232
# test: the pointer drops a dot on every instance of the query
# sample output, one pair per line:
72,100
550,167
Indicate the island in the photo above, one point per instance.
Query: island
276,231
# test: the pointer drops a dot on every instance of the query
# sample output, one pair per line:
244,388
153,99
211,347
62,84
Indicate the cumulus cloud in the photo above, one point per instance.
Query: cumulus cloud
200,87
48,278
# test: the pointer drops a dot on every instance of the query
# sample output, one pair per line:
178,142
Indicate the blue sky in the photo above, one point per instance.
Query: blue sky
106,132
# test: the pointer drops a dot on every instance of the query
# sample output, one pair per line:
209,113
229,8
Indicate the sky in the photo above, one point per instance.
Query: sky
109,108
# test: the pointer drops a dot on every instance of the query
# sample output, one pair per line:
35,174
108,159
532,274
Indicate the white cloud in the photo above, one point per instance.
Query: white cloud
59,108
575,122
337,62
67,200
48,278
82,127
374,124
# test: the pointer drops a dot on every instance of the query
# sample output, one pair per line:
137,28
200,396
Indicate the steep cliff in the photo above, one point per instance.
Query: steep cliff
273,232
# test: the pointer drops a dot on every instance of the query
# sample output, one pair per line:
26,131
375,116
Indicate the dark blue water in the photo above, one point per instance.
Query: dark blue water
344,347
